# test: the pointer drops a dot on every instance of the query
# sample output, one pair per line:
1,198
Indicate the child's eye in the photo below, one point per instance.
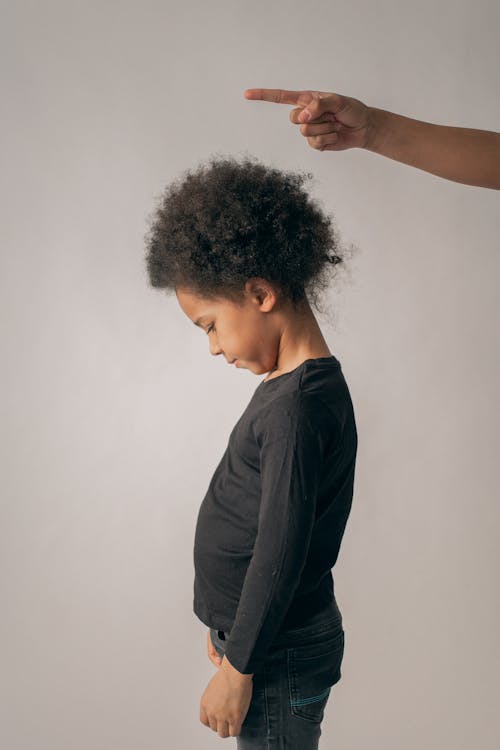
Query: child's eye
210,328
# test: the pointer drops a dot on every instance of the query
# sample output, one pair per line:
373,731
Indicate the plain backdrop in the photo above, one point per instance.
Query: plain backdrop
114,413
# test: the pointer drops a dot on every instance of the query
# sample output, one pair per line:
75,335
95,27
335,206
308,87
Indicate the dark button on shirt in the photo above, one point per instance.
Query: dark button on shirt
270,526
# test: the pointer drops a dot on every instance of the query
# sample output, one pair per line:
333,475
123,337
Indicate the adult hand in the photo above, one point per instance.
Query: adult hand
335,123
212,653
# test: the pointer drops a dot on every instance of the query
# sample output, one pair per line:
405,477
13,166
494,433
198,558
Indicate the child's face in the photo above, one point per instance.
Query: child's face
246,332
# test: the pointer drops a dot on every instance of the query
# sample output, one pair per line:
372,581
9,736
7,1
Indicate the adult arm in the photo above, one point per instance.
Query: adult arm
465,155
337,122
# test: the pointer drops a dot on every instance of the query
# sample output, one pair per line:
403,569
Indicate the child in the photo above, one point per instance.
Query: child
246,250
332,122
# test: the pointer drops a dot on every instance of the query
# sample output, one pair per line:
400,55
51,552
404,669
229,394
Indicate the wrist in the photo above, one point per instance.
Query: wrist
228,667
377,124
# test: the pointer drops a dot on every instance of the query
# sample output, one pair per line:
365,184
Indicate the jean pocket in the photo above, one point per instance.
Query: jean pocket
312,670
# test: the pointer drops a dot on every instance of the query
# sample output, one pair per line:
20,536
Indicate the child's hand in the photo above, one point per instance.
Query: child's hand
226,700
336,123
212,653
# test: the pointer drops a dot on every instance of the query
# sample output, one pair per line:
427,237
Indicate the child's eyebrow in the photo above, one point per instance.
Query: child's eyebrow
197,321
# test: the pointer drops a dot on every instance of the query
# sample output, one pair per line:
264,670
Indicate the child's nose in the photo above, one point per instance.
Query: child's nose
215,350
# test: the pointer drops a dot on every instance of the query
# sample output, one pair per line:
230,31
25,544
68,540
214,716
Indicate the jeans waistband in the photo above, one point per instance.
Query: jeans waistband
329,619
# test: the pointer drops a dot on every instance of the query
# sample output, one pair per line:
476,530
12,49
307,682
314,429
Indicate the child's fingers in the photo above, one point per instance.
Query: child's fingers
212,652
211,647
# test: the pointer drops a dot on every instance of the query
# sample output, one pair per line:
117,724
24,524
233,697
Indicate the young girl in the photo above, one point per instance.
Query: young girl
246,251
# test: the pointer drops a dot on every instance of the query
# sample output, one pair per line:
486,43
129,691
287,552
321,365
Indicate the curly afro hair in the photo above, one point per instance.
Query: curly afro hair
227,221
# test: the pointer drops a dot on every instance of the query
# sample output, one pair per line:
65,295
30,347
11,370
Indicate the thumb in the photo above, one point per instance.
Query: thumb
321,102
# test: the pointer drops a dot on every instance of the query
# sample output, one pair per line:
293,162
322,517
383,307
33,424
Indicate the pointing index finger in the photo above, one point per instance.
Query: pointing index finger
279,96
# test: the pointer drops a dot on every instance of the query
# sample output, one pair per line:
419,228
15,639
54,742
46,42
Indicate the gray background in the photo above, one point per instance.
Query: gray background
114,414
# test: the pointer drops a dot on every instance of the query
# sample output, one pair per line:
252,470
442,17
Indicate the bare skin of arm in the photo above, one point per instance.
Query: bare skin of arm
338,122
465,155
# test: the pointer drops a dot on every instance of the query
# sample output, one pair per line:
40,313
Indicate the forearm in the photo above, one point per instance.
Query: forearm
465,155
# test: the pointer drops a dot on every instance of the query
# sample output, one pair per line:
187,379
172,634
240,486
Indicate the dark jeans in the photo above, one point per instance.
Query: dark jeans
291,690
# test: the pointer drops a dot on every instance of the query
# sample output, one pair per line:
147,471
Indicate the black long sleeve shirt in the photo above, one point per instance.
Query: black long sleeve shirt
270,526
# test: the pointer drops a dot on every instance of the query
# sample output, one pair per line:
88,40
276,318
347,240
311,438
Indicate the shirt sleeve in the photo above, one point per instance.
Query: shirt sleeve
292,453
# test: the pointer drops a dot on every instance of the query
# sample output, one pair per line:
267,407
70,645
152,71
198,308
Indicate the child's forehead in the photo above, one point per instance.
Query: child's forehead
199,307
